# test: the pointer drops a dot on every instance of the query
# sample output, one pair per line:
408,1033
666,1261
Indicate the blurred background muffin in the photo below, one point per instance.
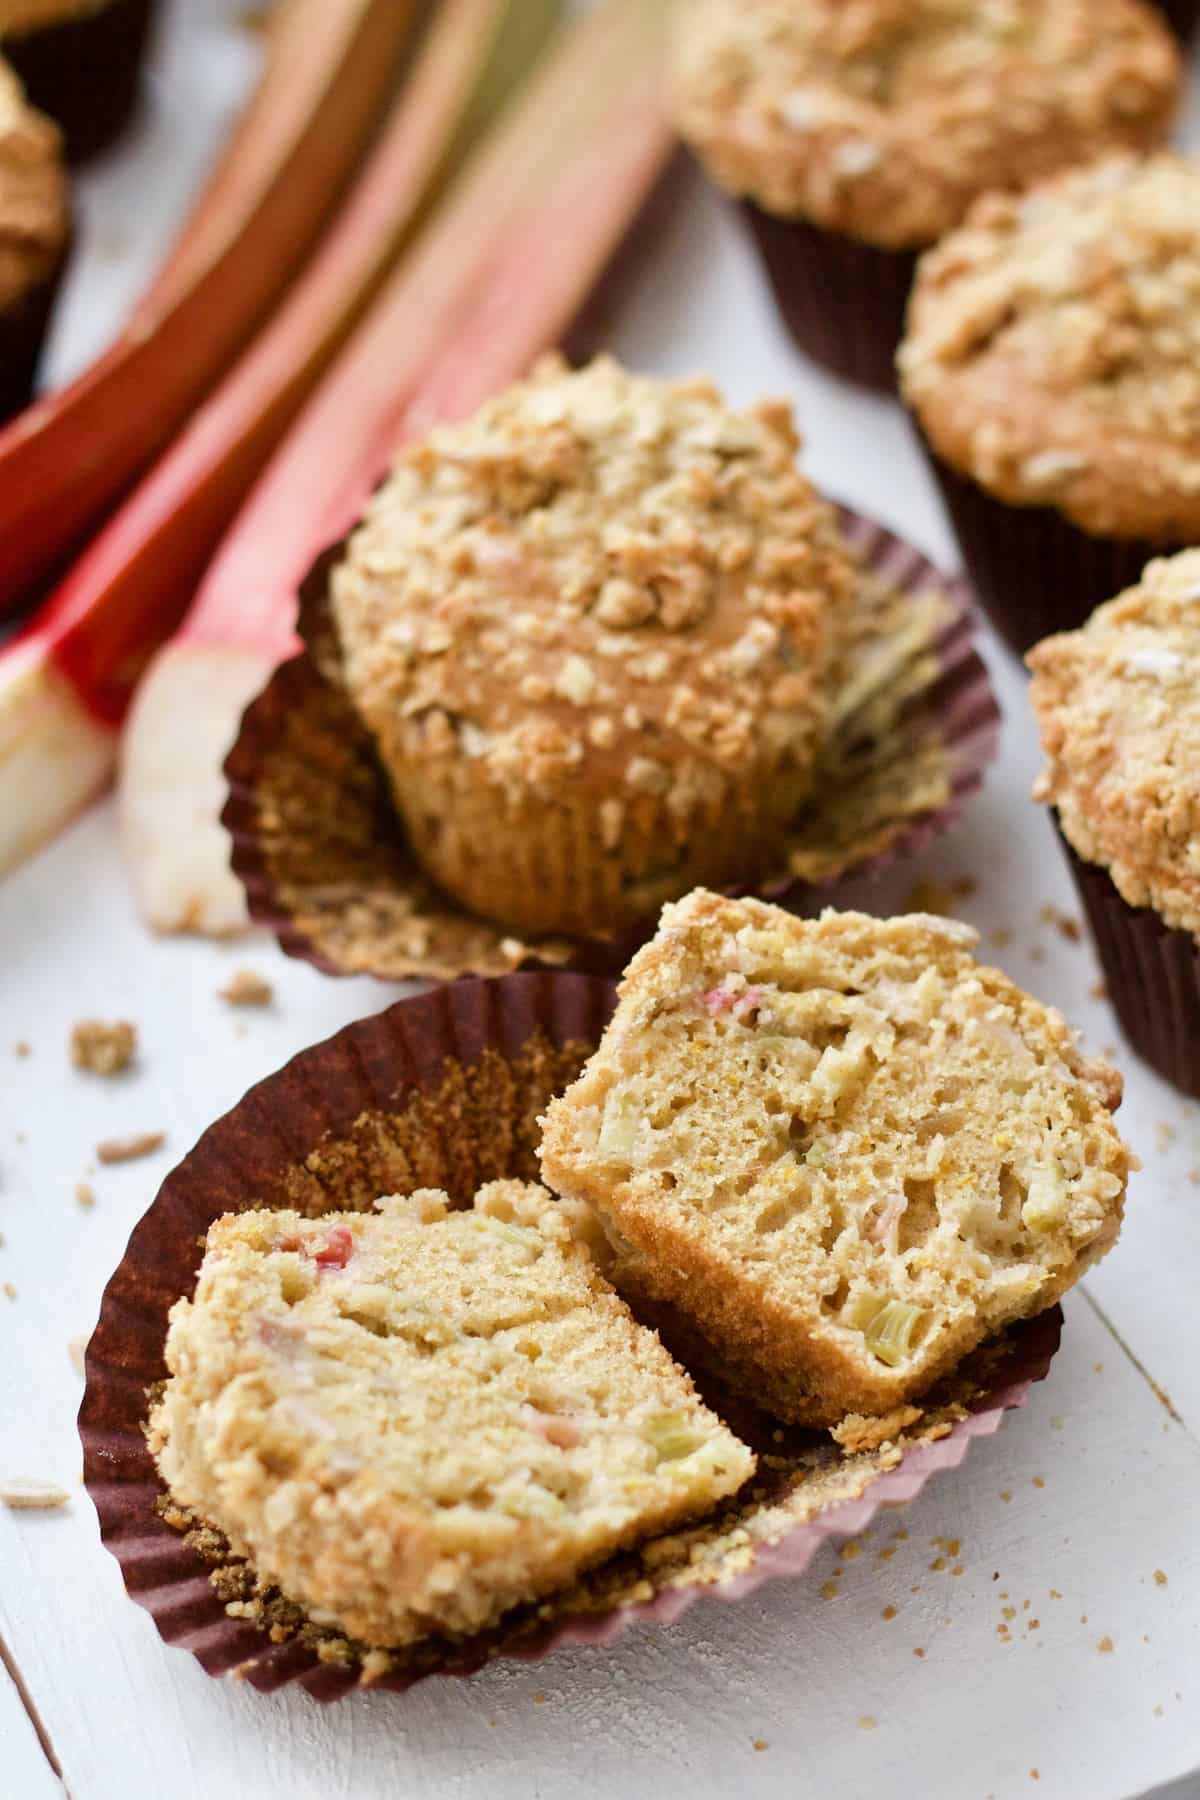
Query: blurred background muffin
590,630
1052,359
35,230
80,60
858,134
1118,704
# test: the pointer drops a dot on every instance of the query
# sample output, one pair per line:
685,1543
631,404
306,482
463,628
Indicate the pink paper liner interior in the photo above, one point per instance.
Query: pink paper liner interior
376,1067
961,700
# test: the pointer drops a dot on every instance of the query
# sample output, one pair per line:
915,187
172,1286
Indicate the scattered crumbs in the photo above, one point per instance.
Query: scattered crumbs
26,1493
1063,923
889,1613
10,1290
951,1546
538,1699
1054,1594
867,1722
1104,1646
1098,1368
829,1590
1034,1776
21,1047
917,1650
76,1350
851,1551
1194,1175
1164,1134
85,1194
1083,1618
887,1553
1145,1638
1024,1606
245,988
103,1049
1036,953
1158,1712
760,1743
1160,1579
1110,1053
1099,990
938,1563
1038,1482
1006,1494
1001,936
957,1569
1009,1612
493,1723
119,1150
1033,1624
900,1537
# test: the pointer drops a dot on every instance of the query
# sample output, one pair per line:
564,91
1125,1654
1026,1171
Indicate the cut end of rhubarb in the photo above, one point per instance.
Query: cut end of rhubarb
54,756
171,789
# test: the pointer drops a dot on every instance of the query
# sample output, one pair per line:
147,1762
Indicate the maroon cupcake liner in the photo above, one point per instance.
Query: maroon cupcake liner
445,1090
23,332
323,858
85,70
1152,974
843,301
1034,572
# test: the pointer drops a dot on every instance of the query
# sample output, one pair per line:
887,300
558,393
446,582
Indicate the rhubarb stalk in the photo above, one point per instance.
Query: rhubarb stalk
521,241
69,678
330,65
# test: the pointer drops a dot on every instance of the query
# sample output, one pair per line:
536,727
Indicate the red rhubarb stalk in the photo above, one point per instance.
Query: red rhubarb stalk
520,242
132,586
330,65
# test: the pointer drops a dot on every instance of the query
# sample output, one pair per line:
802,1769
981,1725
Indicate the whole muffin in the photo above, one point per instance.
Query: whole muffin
860,133
35,229
1118,704
1052,358
81,61
590,630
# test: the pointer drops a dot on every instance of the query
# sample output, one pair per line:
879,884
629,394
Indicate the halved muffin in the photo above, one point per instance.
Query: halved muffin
840,1152
81,61
416,1419
35,231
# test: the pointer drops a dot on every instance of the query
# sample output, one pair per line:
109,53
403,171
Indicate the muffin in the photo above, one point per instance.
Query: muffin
1052,359
858,135
81,61
417,1419
35,230
838,1152
1118,704
590,631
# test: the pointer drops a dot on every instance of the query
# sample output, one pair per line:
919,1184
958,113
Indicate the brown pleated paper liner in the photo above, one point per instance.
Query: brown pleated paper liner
323,857
1152,974
842,300
445,1090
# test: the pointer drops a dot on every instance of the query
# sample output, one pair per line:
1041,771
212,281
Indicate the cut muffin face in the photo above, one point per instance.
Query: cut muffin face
839,1153
416,1419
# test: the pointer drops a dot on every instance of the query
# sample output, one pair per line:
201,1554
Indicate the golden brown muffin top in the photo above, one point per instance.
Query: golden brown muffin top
884,119
600,576
1119,707
34,204
1053,348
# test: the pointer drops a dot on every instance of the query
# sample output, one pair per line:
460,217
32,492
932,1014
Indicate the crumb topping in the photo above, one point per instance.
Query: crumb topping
1120,721
128,1149
598,578
886,118
1053,348
246,988
103,1049
34,204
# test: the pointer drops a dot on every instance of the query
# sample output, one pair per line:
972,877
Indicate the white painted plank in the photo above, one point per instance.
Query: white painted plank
24,1768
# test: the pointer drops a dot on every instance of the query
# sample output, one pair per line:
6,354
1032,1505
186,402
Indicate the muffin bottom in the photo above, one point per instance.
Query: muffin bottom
1152,974
1033,571
23,332
85,72
842,300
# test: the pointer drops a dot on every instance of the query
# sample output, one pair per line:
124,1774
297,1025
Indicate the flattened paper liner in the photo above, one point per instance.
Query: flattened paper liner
445,1090
323,857
1152,974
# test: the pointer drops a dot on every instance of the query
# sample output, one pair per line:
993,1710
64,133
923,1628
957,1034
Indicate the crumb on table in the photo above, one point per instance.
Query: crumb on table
25,1493
118,1150
103,1049
85,1194
245,988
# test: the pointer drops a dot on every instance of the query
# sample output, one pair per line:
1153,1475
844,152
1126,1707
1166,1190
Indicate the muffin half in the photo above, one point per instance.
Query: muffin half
81,61
35,229
839,1152
591,631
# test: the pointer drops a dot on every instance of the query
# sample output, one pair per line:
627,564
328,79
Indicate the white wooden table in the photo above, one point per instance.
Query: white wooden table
1009,1580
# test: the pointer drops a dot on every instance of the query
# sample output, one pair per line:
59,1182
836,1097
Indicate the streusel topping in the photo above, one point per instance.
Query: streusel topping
599,576
886,118
1119,707
1053,348
34,207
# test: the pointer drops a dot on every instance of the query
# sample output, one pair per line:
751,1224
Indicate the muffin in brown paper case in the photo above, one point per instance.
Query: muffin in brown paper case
858,136
325,861
446,1090
1052,360
81,61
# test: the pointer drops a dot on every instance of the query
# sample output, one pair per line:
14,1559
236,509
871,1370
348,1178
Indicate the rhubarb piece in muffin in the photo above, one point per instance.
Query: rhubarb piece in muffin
858,134
1052,358
81,61
416,1419
591,632
1118,703
840,1152
35,229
